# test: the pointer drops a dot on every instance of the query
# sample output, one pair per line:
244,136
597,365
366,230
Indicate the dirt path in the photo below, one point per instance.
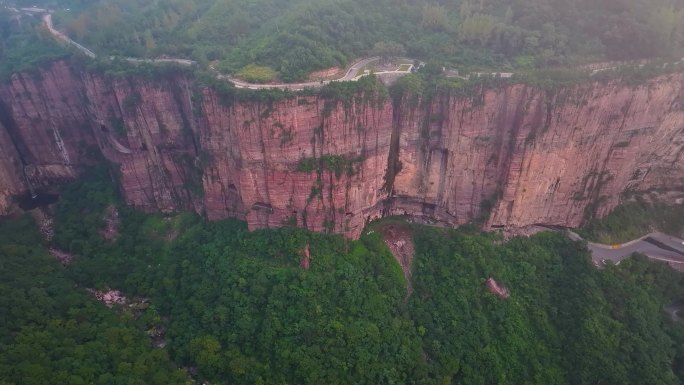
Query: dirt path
399,240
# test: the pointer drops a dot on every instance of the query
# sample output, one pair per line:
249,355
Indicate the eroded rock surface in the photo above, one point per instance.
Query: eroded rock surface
517,155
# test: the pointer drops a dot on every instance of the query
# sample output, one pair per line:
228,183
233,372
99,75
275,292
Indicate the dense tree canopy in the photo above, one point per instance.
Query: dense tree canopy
238,307
565,322
23,45
295,37
265,39
633,219
53,332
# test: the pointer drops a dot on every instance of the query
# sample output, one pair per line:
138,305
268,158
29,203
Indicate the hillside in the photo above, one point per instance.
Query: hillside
296,37
236,307
161,225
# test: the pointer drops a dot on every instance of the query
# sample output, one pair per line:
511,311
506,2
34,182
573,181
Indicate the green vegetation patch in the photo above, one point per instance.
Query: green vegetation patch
23,48
335,163
564,323
257,74
53,332
242,308
635,219
368,88
299,36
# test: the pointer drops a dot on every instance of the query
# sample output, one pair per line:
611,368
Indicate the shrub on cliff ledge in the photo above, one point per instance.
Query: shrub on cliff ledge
228,94
335,163
367,88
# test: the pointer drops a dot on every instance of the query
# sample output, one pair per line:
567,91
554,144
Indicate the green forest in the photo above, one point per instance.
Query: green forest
24,46
237,307
295,37
262,40
53,332
634,219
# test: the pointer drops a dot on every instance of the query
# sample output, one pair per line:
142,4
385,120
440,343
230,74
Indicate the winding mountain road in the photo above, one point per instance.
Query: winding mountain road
47,20
352,73
657,246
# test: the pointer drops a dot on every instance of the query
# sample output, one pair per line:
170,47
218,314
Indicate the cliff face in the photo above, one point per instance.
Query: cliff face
520,154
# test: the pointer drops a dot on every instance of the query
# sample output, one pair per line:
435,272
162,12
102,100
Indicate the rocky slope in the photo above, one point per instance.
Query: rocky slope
521,154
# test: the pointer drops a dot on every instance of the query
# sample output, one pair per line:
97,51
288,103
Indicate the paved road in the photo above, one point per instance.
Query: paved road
184,62
47,19
352,74
656,245
354,69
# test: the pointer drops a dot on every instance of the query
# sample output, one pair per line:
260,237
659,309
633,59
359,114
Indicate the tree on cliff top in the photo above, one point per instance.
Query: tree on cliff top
388,51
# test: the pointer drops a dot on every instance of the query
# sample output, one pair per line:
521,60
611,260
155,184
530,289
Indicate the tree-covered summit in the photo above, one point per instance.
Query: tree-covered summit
240,307
287,40
295,37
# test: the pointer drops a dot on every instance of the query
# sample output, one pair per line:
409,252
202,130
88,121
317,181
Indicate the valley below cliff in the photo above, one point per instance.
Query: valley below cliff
506,156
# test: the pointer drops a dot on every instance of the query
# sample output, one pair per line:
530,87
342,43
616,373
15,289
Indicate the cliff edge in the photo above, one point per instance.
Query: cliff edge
511,156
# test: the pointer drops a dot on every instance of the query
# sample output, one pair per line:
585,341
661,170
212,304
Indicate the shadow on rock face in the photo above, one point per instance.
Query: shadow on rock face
27,202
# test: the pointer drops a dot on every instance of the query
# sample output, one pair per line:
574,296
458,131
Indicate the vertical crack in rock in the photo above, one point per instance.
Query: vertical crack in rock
393,162
528,155
508,145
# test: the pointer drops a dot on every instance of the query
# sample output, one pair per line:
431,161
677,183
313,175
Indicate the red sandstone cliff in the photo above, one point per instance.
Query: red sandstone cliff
533,156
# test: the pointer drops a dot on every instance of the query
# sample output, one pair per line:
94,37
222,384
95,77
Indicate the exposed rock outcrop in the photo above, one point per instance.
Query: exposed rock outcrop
517,155
497,289
305,262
